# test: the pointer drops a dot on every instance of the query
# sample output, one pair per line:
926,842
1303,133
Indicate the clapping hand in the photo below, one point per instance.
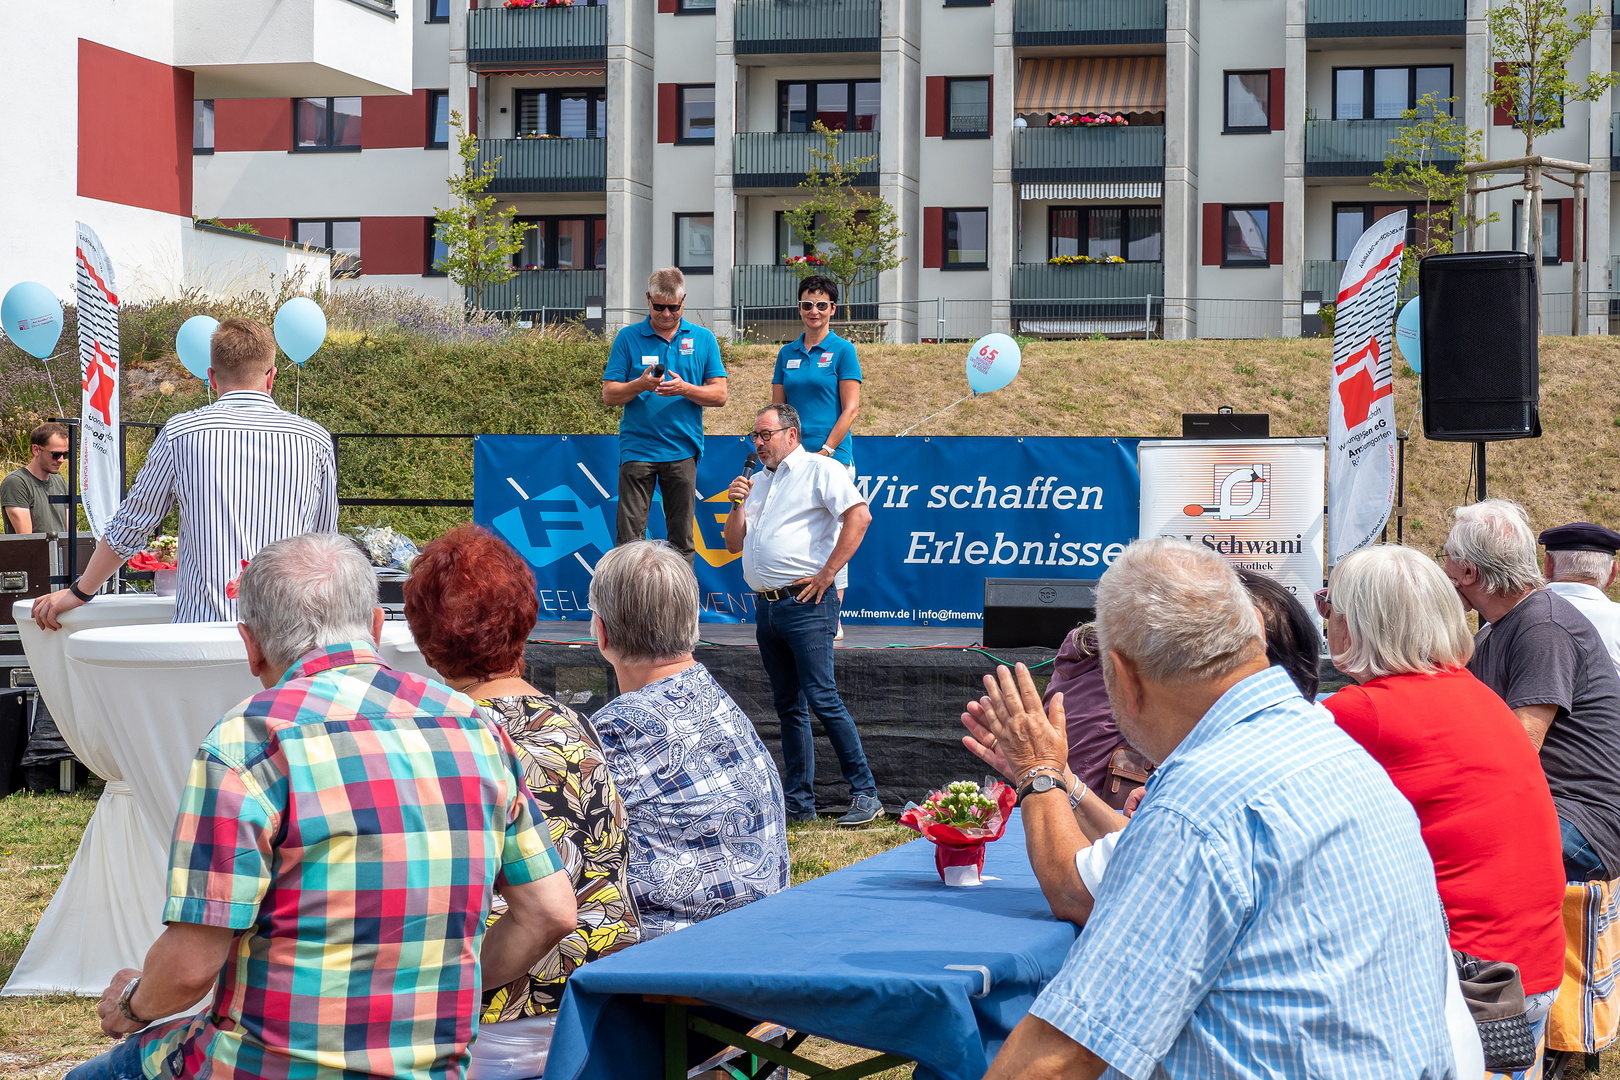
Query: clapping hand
1011,732
673,386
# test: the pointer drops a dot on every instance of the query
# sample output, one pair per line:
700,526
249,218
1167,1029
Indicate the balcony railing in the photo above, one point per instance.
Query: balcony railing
1324,276
1385,18
808,26
1088,291
499,35
1354,147
774,159
771,293
1081,154
1088,22
559,294
534,165
1614,141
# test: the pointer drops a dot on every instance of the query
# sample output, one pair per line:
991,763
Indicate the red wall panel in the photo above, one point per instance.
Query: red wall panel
393,245
668,123
1277,97
1566,229
134,130
394,120
667,7
1501,117
253,124
933,237
934,107
279,228
1212,234
1274,234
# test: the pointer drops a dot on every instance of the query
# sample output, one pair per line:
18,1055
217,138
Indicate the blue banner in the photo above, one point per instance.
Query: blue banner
946,514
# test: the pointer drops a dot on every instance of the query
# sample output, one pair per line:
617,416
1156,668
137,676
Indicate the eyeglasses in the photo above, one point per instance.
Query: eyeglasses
764,436
58,455
668,307
815,305
1441,555
1324,604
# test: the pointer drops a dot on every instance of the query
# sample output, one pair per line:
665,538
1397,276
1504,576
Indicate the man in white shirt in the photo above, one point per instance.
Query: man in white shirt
1579,566
797,524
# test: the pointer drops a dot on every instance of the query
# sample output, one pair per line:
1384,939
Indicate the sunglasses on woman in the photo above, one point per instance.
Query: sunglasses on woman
1324,604
815,305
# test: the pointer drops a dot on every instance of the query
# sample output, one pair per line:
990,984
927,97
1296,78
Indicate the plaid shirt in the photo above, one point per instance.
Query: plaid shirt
350,823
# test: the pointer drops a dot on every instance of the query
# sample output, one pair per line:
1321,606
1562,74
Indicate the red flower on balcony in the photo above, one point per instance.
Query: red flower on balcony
539,3
804,260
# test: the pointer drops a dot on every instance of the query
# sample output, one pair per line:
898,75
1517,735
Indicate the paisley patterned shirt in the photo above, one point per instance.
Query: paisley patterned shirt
561,759
708,829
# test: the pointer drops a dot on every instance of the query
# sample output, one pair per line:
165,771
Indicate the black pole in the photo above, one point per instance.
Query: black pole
1400,488
73,502
1479,472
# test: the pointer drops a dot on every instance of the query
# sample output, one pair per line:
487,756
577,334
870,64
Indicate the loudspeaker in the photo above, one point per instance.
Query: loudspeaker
1481,379
1040,612
1226,424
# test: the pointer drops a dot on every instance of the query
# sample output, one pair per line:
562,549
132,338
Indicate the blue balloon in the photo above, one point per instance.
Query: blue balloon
33,318
192,343
1407,337
300,328
992,363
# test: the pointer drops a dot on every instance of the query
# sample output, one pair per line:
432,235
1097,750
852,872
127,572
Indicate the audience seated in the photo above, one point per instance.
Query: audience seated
471,605
1457,753
339,839
1271,910
708,826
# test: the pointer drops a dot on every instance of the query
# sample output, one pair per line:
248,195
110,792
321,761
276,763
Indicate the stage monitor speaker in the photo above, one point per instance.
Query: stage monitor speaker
1024,612
1226,424
1481,378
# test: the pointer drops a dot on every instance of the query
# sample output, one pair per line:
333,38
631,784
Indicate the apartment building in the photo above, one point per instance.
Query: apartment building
1230,180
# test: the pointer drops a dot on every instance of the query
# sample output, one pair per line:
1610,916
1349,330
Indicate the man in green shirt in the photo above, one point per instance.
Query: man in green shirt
25,493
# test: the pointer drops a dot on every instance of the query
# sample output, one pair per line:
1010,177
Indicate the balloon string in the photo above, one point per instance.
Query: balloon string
946,409
52,380
298,389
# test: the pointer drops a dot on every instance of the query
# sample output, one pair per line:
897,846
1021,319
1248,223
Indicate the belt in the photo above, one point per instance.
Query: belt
773,595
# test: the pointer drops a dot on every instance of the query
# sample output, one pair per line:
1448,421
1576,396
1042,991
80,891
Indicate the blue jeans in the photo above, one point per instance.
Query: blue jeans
122,1062
796,647
1580,861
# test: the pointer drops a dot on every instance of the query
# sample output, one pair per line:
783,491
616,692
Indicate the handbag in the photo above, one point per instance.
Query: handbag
1127,770
1495,996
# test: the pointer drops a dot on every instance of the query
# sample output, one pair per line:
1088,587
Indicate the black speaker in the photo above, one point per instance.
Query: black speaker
1023,612
1226,424
1481,379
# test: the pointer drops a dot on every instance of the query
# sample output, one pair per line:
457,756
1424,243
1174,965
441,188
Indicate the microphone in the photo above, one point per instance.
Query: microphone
750,467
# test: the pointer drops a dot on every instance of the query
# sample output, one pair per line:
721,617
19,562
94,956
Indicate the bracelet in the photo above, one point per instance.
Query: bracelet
1078,793
78,594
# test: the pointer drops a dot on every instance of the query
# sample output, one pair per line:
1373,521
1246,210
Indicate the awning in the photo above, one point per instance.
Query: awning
568,70
1117,84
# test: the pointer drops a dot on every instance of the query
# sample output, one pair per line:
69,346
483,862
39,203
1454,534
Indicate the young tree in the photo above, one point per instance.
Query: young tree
1425,159
855,235
479,241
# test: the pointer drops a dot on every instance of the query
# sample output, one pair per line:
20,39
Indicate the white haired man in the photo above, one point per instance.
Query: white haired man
1579,566
665,371
1271,909
1546,660
338,841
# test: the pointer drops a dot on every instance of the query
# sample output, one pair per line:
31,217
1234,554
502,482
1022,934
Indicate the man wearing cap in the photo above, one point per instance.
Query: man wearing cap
1579,566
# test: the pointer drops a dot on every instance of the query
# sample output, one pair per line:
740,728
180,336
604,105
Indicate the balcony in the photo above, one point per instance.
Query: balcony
293,48
545,165
1088,155
808,26
1088,22
1385,18
536,35
771,294
1324,275
780,159
551,294
1093,291
1353,147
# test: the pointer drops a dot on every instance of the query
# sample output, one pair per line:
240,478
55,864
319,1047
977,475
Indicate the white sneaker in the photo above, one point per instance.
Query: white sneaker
839,636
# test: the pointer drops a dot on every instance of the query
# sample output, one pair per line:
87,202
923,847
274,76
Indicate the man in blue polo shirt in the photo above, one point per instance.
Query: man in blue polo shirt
665,372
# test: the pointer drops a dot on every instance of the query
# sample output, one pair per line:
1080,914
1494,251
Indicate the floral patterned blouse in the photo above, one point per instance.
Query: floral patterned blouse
565,769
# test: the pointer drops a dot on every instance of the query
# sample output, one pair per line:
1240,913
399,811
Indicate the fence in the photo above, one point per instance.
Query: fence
1088,22
808,26
1381,18
1054,155
545,165
781,158
502,35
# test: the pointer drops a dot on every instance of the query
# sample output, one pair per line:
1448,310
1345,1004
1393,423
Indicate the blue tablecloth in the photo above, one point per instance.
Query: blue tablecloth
858,956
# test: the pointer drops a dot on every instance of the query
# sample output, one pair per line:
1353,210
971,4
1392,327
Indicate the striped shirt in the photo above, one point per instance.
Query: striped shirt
1270,911
350,824
245,474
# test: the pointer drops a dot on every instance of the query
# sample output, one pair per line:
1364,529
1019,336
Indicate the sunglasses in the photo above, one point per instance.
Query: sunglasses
58,455
1324,604
764,436
668,307
815,305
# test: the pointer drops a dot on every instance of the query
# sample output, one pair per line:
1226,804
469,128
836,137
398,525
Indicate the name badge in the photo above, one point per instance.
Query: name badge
686,345
649,361
794,362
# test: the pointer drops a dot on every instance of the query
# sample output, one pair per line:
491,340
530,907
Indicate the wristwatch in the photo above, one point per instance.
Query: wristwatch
1042,782
79,594
123,1002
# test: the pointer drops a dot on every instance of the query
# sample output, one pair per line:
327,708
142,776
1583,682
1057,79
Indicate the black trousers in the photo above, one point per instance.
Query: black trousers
677,483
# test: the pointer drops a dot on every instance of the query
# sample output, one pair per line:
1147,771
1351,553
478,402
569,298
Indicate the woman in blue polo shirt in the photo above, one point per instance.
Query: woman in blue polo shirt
820,377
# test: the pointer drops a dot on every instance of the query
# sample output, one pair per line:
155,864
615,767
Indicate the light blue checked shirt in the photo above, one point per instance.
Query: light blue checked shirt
1270,912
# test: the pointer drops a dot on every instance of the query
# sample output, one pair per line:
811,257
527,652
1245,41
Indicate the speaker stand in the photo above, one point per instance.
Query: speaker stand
1479,472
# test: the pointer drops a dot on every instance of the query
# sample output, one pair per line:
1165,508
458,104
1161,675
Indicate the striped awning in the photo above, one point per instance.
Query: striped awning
1120,84
533,72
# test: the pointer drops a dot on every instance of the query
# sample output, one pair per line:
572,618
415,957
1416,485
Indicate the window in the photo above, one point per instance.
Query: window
1556,119
1552,222
437,250
967,240
1385,93
841,106
695,105
568,114
1248,102
438,118
438,11
326,124
1244,234
1133,233
564,243
342,238
694,243
967,108
695,7
967,3
202,126
1350,220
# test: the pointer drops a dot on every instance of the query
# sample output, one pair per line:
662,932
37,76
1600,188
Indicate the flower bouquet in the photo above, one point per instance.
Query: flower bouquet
161,557
959,821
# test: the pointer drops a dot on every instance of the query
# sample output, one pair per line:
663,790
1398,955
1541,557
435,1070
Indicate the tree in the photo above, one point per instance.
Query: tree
854,234
1425,159
479,241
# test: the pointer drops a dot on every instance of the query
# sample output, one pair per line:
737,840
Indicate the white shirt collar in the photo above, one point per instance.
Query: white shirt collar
1577,588
788,462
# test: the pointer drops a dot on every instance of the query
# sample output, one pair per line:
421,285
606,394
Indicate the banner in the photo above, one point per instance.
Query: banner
946,514
100,468
1361,404
1256,501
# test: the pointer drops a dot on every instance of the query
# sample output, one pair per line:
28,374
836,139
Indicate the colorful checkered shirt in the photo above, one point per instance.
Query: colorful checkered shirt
350,822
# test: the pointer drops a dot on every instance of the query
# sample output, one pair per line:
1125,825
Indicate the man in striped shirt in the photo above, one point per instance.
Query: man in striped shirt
244,472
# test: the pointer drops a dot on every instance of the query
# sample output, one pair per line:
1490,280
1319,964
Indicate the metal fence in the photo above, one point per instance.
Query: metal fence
1354,147
534,165
781,158
1384,18
500,35
1088,22
808,26
1054,155
552,295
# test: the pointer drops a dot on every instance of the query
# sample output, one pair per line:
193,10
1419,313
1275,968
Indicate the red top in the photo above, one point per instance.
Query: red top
1463,760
